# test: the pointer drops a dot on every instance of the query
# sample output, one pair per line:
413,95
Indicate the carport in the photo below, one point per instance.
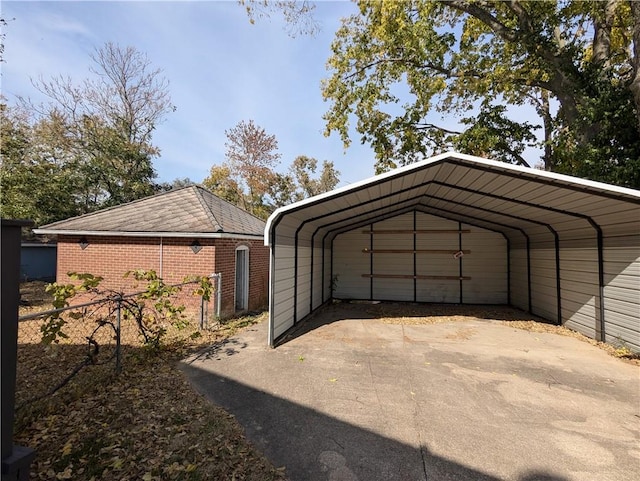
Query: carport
464,230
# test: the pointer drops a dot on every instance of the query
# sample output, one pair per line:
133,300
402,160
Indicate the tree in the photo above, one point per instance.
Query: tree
248,177
110,119
252,156
36,181
303,168
460,57
177,183
300,184
297,14
221,183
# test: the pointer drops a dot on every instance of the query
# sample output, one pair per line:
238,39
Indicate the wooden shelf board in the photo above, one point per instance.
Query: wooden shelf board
435,231
403,276
413,251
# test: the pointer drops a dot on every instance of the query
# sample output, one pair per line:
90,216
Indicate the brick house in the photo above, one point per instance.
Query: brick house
179,233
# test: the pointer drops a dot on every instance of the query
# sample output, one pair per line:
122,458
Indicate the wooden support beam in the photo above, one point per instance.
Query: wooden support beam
402,276
413,251
411,231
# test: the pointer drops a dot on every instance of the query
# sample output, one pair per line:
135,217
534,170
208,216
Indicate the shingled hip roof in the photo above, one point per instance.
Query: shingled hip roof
186,212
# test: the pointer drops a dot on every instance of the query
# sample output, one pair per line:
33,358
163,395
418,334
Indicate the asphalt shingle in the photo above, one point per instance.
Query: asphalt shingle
191,209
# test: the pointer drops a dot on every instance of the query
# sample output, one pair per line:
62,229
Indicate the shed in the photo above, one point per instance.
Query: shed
465,230
179,233
37,260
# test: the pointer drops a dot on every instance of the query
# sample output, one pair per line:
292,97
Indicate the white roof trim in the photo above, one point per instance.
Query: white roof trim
101,233
561,178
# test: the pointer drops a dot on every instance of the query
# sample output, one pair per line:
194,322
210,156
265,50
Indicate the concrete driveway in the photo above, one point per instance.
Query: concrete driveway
353,398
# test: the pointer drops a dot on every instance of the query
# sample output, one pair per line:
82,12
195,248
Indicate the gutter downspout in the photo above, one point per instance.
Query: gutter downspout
161,259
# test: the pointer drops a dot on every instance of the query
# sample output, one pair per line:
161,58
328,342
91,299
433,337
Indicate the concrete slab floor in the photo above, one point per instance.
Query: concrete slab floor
353,398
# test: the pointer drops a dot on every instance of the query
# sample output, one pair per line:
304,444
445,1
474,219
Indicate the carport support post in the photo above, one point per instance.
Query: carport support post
16,460
603,336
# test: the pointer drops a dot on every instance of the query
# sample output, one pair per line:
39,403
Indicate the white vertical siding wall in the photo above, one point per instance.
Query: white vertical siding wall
328,285
431,264
317,275
282,283
395,264
349,263
579,284
544,296
486,264
303,280
519,282
622,291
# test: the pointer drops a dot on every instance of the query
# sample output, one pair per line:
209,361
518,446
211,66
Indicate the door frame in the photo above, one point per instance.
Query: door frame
243,289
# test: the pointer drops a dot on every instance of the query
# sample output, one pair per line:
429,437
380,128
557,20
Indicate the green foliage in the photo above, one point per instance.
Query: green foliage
152,309
486,136
205,287
36,180
53,324
572,61
300,183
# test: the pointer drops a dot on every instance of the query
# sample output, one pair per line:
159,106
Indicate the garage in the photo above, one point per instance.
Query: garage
460,229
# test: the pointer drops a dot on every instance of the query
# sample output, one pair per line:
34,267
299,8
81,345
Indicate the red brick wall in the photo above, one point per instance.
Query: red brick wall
112,256
258,272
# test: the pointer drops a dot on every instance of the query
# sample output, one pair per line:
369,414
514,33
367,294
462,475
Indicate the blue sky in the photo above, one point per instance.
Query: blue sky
221,70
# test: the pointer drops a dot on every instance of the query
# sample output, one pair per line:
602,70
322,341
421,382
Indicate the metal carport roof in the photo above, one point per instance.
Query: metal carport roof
529,207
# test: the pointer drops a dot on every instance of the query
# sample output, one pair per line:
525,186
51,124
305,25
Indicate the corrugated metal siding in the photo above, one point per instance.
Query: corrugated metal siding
579,282
544,297
349,263
282,282
622,291
486,265
519,287
394,264
303,281
317,276
328,286
519,202
430,264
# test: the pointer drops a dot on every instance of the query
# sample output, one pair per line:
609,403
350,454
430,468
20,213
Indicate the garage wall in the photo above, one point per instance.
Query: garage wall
519,280
622,296
282,285
428,264
399,264
486,264
349,263
579,284
544,298
487,285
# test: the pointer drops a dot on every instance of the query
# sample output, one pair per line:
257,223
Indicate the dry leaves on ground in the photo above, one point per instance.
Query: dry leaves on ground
146,423
415,314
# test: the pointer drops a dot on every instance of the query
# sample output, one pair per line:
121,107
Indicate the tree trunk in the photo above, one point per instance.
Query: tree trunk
602,33
545,113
